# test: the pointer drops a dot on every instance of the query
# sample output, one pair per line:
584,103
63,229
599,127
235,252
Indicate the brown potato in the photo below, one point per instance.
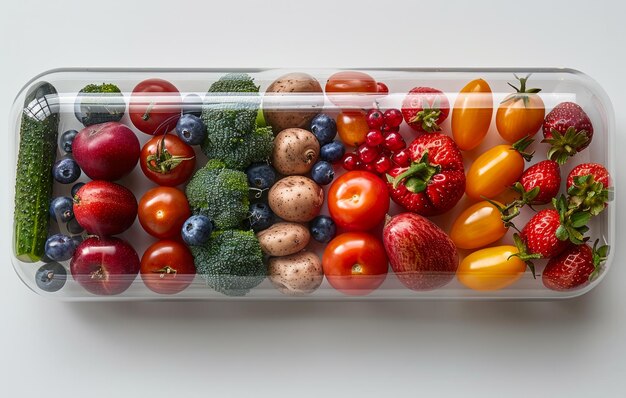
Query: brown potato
297,274
295,151
284,238
296,198
311,99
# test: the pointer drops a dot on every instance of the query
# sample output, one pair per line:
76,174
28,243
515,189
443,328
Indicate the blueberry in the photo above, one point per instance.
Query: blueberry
324,128
62,209
192,105
66,171
51,277
261,175
60,247
197,230
323,229
190,129
322,172
67,139
261,216
76,187
332,152
73,227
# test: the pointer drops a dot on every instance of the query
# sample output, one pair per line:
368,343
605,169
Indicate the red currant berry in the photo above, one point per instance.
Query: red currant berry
367,154
382,164
401,158
382,88
388,129
375,119
394,141
374,138
393,117
369,167
351,161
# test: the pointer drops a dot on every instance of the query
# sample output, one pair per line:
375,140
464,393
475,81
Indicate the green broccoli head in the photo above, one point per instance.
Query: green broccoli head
220,194
239,153
231,262
232,134
100,88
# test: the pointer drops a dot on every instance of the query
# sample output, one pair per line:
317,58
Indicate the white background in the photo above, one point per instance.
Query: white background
218,349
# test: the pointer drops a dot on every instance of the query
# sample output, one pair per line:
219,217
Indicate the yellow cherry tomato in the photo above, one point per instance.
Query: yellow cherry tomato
477,226
492,268
471,115
352,127
520,114
493,172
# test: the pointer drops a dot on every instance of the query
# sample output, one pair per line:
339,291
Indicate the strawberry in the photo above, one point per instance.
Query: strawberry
539,234
575,267
425,108
550,231
568,130
546,176
434,181
589,188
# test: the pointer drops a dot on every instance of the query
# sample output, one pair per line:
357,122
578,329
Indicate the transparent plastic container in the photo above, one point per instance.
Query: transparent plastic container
295,100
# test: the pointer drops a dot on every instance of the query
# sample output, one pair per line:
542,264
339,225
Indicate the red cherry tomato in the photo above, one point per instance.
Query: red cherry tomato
355,263
163,211
167,160
155,106
167,267
351,89
358,201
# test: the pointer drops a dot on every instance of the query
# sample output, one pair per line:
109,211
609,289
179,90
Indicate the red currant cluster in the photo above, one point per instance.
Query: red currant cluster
383,147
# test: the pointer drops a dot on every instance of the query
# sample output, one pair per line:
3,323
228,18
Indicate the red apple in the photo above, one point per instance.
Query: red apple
105,266
105,208
420,253
106,151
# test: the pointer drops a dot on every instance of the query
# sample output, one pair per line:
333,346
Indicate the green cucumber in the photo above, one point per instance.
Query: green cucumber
33,180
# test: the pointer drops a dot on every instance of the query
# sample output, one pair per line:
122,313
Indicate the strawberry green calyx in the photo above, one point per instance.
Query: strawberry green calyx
416,177
521,93
573,222
564,146
522,253
521,145
428,116
586,194
512,209
599,255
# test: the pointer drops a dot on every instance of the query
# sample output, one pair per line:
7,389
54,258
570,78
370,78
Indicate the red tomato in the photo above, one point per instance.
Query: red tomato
355,263
155,106
163,211
351,88
358,201
167,267
167,160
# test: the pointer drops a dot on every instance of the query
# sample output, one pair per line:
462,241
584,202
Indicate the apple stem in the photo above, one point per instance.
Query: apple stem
167,270
146,115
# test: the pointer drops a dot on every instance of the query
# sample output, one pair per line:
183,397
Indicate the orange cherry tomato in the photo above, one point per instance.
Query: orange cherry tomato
163,211
493,172
167,267
355,263
352,127
492,268
358,200
477,226
471,115
351,88
520,114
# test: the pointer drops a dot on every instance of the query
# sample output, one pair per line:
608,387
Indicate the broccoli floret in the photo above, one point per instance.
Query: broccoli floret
232,134
220,194
231,262
234,83
239,153
100,88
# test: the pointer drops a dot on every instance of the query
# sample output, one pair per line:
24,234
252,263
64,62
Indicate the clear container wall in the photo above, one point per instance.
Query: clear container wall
298,100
